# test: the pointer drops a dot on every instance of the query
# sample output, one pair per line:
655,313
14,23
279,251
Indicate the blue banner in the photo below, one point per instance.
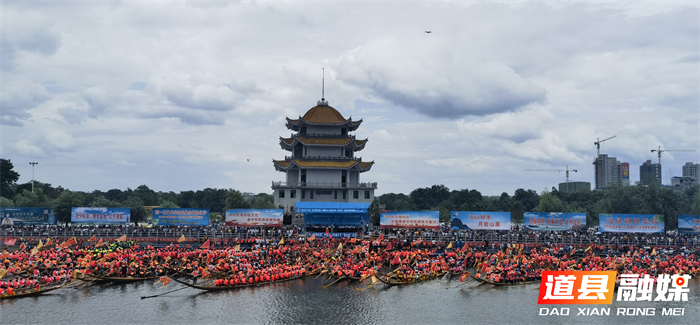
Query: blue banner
648,223
555,221
180,217
340,219
27,216
688,224
410,219
480,220
101,216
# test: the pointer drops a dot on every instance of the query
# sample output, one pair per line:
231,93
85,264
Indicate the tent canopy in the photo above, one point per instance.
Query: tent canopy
331,207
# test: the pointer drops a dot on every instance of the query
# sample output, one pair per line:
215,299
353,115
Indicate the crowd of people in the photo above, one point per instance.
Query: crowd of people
255,260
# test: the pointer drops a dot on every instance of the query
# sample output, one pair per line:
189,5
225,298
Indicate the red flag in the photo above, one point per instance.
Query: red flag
205,273
99,243
122,238
396,260
420,240
93,238
464,275
326,231
10,242
388,246
69,242
205,245
48,242
22,246
381,237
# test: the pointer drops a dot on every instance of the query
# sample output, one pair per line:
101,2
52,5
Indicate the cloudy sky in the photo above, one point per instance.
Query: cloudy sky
187,95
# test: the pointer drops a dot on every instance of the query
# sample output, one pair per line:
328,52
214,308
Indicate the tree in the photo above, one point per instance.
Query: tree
428,197
63,205
264,201
138,212
5,202
374,212
102,202
695,206
549,202
517,212
147,195
165,204
8,177
33,199
235,200
528,198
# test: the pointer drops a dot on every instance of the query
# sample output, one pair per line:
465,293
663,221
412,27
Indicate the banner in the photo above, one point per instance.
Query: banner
27,216
410,219
109,216
480,220
688,224
180,217
340,219
649,223
254,217
555,221
333,234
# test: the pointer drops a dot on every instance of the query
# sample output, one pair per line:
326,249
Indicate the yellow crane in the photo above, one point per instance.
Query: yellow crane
556,170
663,150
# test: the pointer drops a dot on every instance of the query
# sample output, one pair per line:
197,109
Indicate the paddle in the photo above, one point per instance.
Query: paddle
341,278
164,293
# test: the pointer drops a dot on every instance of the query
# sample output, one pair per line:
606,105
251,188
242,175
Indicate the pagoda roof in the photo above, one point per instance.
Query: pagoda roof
289,143
323,115
282,165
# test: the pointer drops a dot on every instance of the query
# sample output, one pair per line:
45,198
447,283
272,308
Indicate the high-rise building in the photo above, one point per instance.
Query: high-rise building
691,170
649,172
609,171
322,166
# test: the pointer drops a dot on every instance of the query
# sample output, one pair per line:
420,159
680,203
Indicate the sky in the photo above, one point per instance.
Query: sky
186,95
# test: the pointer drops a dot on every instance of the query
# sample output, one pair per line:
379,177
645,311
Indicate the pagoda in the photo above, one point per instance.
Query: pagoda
322,166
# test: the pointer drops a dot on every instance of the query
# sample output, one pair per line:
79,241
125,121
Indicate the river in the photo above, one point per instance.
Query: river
306,302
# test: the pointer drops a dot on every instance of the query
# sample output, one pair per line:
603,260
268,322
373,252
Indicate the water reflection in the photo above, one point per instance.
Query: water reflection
304,301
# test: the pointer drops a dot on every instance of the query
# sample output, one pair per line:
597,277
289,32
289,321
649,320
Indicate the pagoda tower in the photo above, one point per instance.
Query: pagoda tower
322,166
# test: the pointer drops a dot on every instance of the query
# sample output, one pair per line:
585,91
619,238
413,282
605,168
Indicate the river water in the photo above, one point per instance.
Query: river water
306,302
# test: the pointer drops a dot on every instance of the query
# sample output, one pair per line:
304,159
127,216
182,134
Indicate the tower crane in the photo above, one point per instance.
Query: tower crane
556,170
660,151
597,143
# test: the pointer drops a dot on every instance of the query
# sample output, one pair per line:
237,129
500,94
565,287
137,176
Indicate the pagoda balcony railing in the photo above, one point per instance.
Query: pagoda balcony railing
339,185
323,135
334,158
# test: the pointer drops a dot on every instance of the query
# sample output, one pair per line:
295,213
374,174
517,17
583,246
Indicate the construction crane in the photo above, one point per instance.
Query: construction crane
597,143
557,170
660,151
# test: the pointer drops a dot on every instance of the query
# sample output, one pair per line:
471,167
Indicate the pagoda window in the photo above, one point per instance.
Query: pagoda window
303,194
293,194
298,150
348,153
311,195
366,195
343,131
345,195
303,177
281,194
303,130
355,194
344,177
335,196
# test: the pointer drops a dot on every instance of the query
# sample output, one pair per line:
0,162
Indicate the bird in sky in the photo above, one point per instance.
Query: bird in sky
428,32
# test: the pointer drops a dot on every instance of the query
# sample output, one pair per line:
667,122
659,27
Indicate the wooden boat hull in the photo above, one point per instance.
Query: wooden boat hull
502,284
31,293
219,288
